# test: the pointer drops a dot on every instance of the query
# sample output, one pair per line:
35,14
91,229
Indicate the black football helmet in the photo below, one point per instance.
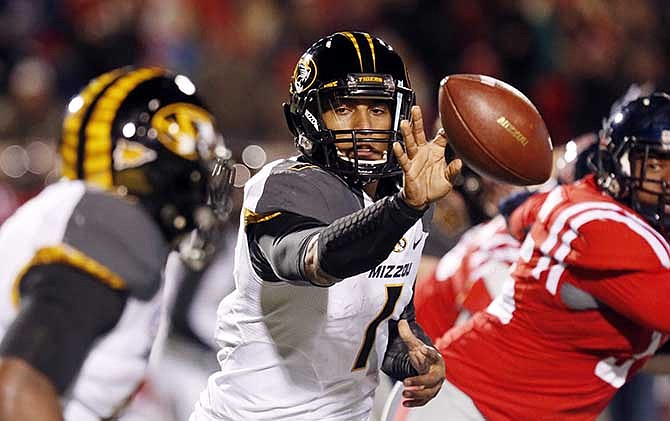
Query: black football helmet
143,132
640,129
344,66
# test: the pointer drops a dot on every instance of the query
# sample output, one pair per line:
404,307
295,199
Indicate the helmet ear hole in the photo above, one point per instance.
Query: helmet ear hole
290,120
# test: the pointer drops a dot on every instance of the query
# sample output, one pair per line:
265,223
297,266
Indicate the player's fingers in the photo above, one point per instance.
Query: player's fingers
401,156
441,138
410,403
418,360
428,380
453,168
417,126
410,142
419,397
422,393
424,357
407,336
413,403
432,355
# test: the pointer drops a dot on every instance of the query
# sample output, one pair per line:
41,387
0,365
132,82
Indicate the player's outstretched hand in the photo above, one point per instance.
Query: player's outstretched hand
428,362
427,175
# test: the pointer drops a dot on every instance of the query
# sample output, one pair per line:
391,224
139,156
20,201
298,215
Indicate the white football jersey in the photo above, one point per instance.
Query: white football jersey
292,352
116,242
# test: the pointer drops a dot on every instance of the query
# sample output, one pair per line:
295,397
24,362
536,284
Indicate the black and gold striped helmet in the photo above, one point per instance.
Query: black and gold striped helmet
347,65
143,132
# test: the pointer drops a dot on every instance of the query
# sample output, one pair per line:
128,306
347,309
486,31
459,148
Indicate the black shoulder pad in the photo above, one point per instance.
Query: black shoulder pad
308,190
122,237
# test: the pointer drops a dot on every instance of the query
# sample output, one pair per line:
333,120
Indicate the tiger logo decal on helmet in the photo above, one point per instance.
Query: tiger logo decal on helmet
304,74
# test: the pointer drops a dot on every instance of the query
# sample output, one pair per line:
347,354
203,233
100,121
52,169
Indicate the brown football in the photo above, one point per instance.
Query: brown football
495,129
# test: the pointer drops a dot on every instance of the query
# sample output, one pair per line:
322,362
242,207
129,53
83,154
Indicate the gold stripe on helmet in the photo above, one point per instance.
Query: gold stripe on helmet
352,38
69,159
69,256
372,50
72,121
98,151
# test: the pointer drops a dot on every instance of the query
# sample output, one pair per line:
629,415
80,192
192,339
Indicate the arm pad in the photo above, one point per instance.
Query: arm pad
63,311
350,245
277,247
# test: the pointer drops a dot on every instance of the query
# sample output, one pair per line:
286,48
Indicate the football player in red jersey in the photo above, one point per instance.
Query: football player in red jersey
585,305
471,274
464,281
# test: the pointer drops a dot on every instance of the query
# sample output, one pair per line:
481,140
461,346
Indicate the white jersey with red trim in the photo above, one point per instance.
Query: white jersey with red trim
71,224
585,307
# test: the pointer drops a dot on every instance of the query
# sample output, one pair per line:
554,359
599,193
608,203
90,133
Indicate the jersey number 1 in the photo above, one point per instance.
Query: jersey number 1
392,295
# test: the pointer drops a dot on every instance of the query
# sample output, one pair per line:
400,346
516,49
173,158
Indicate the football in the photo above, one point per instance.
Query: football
495,129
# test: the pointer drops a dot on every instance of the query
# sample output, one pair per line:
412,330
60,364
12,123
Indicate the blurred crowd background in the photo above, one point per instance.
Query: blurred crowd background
571,57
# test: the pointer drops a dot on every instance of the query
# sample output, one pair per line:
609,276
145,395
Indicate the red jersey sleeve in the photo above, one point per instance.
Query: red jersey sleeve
524,216
621,261
609,240
639,296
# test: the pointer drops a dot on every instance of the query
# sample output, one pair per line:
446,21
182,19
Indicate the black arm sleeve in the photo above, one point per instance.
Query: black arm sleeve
63,311
350,245
665,349
277,246
396,362
358,242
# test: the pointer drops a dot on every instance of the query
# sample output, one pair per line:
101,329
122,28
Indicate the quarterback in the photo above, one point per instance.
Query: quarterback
328,248
82,262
